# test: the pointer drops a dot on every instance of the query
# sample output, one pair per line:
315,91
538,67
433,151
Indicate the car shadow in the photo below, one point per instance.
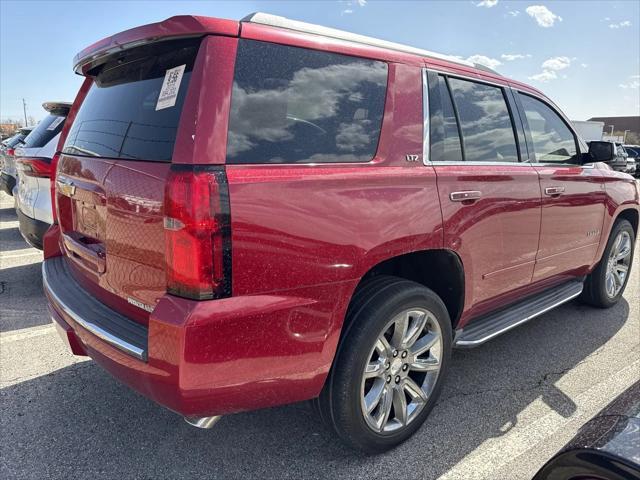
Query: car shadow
84,424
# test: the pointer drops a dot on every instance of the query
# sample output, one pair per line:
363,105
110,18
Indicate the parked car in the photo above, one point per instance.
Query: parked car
607,447
618,154
633,152
262,212
34,161
8,172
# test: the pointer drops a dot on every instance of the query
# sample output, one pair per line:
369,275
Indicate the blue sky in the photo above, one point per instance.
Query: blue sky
584,54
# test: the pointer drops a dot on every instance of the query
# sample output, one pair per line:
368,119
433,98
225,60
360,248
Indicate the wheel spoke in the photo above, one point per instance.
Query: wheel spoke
383,348
374,369
415,329
610,284
400,330
425,364
424,343
400,405
385,408
372,399
414,390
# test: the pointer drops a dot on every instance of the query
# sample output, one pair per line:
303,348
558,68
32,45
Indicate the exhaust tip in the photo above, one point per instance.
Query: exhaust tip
202,422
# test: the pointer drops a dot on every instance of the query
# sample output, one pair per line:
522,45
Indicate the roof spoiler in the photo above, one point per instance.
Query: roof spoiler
56,106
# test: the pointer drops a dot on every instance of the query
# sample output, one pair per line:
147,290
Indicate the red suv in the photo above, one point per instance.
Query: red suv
261,212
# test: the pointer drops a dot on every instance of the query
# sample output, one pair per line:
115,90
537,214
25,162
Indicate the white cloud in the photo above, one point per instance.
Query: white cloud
484,60
347,11
624,24
487,3
509,57
543,16
361,3
514,13
545,76
556,63
584,65
633,84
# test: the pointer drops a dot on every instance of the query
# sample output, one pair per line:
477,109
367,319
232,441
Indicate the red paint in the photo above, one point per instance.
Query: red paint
303,236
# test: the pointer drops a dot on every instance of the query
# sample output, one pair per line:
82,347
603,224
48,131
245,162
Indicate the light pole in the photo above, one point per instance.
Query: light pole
624,136
24,109
611,134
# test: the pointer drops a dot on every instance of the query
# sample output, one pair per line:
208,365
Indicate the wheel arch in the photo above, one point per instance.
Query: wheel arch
440,270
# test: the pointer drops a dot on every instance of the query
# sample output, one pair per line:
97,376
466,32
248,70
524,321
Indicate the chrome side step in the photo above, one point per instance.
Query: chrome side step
490,326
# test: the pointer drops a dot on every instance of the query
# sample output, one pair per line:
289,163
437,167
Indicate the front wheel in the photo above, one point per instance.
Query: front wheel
390,364
605,285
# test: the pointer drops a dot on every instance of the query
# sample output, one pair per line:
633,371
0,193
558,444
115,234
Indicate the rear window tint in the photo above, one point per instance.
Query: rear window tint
48,128
485,122
295,105
123,116
445,137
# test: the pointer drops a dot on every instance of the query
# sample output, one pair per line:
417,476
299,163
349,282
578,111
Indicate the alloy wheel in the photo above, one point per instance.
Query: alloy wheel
618,264
401,370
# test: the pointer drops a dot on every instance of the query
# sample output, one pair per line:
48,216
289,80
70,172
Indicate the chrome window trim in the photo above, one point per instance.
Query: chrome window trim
426,124
528,163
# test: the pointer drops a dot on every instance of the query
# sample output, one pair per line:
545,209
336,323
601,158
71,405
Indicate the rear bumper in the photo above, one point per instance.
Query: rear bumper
7,182
203,358
32,230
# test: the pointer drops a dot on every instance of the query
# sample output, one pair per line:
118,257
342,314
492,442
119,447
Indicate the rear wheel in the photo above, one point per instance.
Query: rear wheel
605,285
390,364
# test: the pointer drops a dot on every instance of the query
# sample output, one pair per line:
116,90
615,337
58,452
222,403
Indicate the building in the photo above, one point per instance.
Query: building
621,124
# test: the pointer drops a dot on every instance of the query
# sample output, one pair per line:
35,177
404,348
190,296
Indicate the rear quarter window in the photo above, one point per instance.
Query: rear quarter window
122,115
295,105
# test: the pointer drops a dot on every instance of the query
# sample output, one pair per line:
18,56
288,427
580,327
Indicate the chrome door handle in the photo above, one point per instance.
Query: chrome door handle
553,191
466,195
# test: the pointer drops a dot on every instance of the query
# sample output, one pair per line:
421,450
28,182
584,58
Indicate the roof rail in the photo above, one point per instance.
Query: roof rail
283,22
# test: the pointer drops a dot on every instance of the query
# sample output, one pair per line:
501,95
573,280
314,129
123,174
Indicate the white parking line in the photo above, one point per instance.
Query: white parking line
498,452
16,335
25,252
6,225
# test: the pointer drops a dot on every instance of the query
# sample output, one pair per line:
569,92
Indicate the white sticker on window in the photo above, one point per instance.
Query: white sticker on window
170,87
55,123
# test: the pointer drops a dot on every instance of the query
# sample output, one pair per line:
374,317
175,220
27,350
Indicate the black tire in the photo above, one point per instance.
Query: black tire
375,303
594,292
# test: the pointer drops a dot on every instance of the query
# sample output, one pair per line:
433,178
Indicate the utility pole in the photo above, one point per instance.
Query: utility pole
24,109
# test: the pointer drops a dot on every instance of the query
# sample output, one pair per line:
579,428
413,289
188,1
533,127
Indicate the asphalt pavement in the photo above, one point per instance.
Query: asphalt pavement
506,407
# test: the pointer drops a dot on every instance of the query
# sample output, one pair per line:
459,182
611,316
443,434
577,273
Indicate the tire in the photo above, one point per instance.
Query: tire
373,331
597,291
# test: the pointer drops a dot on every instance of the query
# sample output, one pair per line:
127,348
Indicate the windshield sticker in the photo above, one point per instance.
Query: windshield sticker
55,123
170,87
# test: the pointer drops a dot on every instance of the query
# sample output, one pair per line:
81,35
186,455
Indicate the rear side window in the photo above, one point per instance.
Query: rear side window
294,105
124,114
485,122
552,140
445,138
48,128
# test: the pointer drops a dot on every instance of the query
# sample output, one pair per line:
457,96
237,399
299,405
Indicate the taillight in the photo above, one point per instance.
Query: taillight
197,232
34,167
11,151
52,187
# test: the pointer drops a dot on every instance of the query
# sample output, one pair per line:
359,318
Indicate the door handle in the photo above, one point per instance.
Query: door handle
551,191
466,195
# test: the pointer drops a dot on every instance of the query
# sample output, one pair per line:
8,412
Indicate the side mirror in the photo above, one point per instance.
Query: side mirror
602,151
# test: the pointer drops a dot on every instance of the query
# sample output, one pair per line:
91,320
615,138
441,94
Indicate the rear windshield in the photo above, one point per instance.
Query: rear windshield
133,108
15,140
294,105
48,128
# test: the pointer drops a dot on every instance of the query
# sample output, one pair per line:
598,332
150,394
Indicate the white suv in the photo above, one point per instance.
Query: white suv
34,163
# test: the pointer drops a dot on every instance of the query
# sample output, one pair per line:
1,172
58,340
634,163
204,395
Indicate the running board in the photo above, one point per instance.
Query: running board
490,326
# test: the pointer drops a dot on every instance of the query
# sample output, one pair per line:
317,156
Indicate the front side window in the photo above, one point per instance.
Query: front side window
295,105
485,122
553,142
